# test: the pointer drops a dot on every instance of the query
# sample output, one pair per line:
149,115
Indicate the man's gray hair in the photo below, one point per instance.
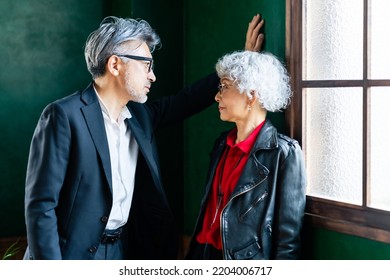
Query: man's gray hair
112,33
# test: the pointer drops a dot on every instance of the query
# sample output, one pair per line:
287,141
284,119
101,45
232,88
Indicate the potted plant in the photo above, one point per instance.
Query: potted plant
11,251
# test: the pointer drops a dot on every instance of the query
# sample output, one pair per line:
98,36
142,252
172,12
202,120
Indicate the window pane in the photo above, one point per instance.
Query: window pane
332,39
380,152
379,55
334,143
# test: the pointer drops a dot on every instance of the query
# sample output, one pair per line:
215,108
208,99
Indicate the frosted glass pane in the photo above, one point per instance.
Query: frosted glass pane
334,143
380,152
332,39
379,44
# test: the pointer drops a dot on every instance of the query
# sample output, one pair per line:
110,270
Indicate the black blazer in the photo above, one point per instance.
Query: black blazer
68,183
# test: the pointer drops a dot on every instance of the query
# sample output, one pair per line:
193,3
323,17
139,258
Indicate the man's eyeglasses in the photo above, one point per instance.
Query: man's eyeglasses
150,64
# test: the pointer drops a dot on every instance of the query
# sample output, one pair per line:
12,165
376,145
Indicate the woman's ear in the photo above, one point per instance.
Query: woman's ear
252,99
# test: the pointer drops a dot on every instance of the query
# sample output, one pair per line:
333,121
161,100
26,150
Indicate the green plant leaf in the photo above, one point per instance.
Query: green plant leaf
12,250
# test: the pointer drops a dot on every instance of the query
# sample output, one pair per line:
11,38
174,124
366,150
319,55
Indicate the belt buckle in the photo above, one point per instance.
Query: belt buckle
111,237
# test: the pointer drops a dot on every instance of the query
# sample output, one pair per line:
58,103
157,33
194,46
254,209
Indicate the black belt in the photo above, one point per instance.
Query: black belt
111,235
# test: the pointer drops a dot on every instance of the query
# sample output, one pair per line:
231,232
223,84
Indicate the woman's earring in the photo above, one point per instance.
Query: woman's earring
249,107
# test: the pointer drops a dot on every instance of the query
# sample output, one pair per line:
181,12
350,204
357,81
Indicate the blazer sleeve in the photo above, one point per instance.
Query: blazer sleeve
47,163
189,101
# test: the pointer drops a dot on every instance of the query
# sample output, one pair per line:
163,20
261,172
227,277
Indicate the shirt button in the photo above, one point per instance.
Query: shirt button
104,219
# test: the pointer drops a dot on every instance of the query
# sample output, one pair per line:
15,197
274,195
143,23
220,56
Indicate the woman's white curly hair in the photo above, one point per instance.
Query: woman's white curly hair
259,73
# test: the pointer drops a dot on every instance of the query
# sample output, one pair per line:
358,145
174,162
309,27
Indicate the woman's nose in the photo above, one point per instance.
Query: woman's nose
218,96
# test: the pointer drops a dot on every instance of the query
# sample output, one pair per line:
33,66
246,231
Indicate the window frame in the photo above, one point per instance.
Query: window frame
362,221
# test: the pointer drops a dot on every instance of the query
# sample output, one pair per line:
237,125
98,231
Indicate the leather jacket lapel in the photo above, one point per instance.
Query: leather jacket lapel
248,179
267,139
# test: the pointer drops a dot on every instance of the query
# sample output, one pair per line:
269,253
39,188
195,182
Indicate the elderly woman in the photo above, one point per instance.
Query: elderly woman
254,201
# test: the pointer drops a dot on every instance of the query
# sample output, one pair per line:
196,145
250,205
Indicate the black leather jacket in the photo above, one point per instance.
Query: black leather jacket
264,216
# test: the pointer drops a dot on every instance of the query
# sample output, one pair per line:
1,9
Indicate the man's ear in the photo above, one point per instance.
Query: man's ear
113,65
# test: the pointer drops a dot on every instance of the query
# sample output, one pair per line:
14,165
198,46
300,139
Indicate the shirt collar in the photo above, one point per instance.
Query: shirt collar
248,143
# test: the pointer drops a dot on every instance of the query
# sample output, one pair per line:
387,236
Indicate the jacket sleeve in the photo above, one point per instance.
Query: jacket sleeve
49,153
189,101
290,203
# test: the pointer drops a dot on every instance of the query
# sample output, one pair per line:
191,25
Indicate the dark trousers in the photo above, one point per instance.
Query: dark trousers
110,251
205,252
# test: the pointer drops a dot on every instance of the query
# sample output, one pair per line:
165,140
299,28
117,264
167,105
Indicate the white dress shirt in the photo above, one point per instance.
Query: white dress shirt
123,156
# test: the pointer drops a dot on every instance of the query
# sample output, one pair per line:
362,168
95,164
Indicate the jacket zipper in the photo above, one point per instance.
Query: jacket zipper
264,195
223,209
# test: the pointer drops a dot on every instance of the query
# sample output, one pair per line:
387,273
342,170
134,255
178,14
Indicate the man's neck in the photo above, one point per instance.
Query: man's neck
110,98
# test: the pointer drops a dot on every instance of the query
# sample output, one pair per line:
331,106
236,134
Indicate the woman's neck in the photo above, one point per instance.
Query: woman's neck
245,129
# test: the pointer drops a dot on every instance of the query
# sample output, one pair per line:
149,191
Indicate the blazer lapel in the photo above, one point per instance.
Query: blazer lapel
145,145
94,119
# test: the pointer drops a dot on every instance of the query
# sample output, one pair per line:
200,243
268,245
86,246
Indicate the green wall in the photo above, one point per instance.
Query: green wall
221,30
41,50
321,244
167,20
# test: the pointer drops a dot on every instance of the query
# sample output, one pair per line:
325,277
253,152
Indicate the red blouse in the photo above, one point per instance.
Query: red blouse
229,169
